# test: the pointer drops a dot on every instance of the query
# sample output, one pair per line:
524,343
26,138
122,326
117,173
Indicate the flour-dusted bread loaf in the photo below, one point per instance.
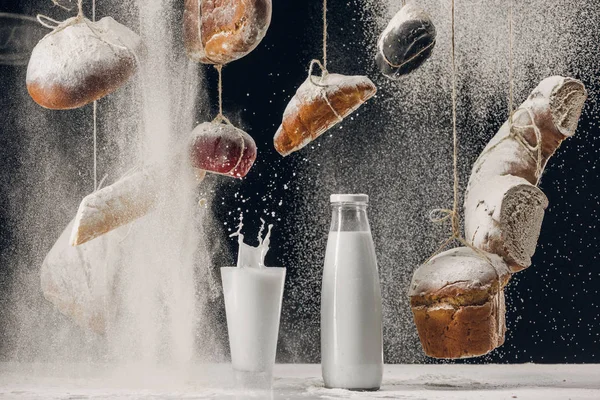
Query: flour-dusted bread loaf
503,207
457,300
406,43
222,149
221,31
319,104
126,200
82,62
77,280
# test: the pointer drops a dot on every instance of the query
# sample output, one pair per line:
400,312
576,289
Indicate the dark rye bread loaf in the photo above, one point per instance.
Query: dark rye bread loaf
457,300
406,43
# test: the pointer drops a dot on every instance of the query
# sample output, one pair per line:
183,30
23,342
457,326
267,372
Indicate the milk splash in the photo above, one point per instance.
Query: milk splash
250,256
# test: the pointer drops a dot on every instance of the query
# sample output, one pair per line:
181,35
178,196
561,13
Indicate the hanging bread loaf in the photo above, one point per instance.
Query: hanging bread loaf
215,148
319,104
126,200
81,61
503,207
406,43
222,149
221,31
77,280
457,300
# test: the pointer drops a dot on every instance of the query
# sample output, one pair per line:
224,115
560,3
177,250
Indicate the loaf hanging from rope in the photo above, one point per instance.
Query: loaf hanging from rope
222,31
406,43
503,206
457,300
319,104
81,61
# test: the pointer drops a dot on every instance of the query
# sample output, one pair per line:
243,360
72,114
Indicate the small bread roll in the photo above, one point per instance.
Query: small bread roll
457,300
221,31
406,42
222,149
83,62
319,104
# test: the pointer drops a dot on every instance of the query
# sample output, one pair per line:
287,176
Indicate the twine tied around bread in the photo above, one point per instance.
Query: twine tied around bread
412,58
58,26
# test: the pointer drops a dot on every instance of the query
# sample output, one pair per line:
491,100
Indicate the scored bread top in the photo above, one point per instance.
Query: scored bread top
461,276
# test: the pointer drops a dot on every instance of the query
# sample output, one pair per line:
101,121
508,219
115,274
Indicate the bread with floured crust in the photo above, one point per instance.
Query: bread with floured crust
319,104
221,31
82,62
457,300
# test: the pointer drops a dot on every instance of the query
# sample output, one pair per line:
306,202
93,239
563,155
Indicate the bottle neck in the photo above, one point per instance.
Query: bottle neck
349,217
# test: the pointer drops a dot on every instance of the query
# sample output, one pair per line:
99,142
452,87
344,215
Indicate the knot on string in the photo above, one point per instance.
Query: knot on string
58,26
324,72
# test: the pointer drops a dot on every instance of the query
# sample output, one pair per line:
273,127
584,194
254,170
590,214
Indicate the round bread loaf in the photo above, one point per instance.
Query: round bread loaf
221,31
222,149
406,42
80,62
457,300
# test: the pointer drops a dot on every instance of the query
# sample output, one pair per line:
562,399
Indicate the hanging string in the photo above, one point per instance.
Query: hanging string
325,35
220,117
443,215
95,119
510,68
517,133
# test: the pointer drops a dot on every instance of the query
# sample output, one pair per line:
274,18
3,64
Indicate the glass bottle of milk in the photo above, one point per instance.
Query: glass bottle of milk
351,315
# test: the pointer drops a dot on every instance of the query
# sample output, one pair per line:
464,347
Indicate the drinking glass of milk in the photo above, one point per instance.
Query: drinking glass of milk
253,295
351,315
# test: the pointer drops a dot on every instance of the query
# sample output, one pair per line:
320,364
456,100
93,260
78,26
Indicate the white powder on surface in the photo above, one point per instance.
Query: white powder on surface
68,56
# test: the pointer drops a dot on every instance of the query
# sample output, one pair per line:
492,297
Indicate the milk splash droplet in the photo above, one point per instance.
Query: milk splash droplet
250,256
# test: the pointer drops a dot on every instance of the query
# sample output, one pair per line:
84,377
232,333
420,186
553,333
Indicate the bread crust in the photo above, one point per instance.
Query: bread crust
457,300
448,331
82,62
93,87
221,31
315,109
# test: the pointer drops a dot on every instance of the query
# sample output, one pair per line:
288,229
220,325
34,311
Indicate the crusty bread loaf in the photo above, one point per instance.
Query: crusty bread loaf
319,104
221,31
222,149
406,43
126,200
457,300
83,62
503,207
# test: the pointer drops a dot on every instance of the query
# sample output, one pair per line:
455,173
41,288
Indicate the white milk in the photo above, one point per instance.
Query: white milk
253,295
351,316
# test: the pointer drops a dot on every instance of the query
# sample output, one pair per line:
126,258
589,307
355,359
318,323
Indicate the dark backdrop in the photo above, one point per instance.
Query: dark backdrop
553,308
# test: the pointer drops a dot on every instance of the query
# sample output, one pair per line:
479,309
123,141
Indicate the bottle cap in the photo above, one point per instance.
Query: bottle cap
349,198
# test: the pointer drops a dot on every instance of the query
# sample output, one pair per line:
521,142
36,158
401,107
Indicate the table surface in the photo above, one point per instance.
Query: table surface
298,381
